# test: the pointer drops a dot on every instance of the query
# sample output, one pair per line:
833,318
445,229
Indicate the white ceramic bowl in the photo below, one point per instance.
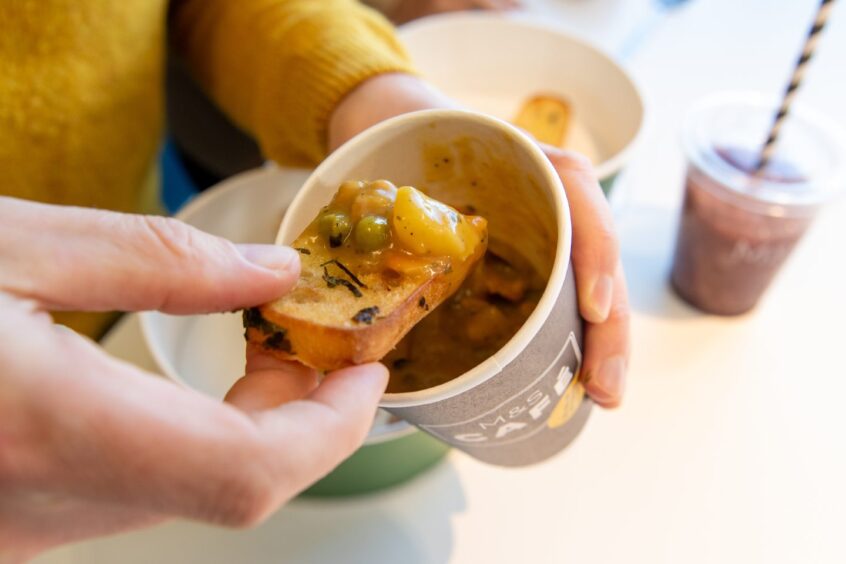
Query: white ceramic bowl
493,63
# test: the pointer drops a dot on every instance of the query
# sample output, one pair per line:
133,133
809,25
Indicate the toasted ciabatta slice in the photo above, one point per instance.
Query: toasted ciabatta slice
548,118
373,263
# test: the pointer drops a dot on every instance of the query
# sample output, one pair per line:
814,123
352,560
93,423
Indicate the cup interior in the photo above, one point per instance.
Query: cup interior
468,161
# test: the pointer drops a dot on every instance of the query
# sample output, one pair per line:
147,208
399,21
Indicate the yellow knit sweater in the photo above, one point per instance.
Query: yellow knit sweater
81,91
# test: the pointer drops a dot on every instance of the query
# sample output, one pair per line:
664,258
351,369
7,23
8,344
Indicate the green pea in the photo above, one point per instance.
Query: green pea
372,233
335,226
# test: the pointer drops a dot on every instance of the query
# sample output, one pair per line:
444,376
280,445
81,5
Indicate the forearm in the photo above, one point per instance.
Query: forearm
280,67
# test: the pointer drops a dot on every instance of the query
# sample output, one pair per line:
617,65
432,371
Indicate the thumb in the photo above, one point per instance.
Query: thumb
270,382
316,433
76,258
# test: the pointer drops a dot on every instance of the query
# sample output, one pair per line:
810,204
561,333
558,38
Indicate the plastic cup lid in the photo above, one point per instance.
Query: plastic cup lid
809,165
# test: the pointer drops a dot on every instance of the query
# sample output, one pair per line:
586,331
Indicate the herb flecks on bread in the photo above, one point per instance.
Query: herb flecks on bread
368,261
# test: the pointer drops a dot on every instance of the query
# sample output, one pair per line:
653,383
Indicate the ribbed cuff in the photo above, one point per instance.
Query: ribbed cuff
299,93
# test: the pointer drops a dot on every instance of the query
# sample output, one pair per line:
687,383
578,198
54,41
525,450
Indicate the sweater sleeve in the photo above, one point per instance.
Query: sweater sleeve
279,67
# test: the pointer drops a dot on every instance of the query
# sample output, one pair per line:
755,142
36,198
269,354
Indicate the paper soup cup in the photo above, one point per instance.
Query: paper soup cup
524,403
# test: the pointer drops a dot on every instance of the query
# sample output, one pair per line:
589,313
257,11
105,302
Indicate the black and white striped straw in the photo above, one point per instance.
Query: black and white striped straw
798,72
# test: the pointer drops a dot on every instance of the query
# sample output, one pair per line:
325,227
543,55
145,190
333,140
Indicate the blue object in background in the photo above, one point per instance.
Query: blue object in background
177,186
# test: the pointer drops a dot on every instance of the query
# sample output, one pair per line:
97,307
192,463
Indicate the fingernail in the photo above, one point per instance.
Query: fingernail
271,257
600,298
609,381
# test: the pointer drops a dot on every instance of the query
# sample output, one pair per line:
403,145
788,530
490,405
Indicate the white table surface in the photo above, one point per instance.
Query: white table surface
731,443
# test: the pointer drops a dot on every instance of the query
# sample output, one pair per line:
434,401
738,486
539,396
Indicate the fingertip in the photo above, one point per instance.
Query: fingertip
596,299
606,385
371,377
333,420
270,381
278,258
353,394
268,388
601,397
353,390
566,161
283,262
606,403
259,359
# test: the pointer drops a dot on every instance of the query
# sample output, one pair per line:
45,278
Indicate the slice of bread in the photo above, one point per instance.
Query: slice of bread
548,118
336,317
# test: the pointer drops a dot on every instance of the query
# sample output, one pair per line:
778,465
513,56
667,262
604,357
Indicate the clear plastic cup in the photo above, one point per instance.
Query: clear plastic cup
737,227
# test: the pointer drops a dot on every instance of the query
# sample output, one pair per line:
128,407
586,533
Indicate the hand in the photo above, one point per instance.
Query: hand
600,282
91,445
596,262
407,10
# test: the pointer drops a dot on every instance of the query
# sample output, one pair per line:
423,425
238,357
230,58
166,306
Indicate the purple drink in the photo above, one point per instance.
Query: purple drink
738,227
725,255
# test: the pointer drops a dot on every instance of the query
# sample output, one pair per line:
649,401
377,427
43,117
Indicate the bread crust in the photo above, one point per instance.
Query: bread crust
330,346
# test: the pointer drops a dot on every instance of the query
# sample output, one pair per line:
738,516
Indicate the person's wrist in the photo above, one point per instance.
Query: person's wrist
379,98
